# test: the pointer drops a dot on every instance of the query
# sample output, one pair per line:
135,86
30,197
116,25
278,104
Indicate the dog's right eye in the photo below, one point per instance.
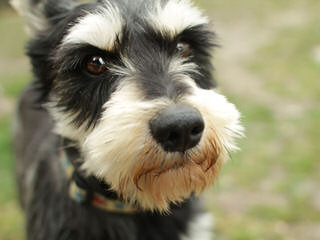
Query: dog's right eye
96,65
183,49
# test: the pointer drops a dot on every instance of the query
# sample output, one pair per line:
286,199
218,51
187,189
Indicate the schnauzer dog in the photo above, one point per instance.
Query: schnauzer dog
121,128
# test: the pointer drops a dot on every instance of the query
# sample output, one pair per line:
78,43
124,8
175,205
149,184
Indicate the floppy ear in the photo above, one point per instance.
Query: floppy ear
37,13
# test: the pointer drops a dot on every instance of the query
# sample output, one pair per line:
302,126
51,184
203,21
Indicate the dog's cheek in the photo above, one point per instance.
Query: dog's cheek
221,117
63,125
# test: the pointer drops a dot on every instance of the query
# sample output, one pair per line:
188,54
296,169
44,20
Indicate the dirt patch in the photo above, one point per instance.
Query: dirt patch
310,231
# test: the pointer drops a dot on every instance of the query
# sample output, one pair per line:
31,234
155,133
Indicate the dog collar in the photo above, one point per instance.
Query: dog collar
83,196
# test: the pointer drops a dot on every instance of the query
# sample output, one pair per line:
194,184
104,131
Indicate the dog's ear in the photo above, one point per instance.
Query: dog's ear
37,13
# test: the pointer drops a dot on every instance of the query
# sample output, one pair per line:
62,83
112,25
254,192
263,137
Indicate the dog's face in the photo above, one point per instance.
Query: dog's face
130,81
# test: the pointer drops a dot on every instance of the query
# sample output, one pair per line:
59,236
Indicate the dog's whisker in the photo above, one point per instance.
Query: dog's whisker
146,153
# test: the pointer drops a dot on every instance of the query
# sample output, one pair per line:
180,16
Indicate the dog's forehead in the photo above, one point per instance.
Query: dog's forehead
105,24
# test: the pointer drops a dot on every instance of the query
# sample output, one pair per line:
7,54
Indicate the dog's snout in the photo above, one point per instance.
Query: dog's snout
177,128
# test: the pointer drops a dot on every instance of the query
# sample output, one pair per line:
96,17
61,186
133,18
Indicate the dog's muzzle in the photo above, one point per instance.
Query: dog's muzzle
177,128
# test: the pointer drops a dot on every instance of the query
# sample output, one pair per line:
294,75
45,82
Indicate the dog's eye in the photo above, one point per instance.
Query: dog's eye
96,65
183,49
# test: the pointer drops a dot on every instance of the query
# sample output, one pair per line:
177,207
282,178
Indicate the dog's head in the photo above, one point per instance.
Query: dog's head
130,82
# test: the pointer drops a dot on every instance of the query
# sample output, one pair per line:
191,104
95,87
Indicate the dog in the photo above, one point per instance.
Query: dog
121,128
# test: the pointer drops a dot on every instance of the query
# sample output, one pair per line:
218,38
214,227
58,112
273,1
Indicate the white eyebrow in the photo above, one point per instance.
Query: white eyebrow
100,29
176,16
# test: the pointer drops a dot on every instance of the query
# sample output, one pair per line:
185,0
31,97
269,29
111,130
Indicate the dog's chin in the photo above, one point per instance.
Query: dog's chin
159,179
157,189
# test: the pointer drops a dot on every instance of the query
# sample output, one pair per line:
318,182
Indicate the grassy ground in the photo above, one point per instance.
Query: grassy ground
13,75
269,65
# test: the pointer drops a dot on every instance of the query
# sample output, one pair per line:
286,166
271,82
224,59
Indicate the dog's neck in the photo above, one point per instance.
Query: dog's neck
89,190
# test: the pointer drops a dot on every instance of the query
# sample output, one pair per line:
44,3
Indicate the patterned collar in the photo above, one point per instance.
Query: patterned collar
81,195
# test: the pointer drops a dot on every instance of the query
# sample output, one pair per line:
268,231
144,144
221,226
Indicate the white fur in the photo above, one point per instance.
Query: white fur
200,228
63,125
176,16
99,29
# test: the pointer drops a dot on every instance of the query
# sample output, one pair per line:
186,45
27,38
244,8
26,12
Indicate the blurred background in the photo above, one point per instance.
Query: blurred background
269,65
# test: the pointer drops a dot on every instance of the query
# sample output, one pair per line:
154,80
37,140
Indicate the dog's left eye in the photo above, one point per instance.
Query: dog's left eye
183,49
96,65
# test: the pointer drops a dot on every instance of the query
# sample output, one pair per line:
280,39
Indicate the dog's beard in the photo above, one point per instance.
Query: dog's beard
121,151
162,177
153,163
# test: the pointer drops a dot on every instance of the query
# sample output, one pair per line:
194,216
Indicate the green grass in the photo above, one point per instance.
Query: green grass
11,224
13,77
6,167
268,188
14,83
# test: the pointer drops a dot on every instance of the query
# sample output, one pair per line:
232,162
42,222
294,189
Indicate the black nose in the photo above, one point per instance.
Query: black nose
177,128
